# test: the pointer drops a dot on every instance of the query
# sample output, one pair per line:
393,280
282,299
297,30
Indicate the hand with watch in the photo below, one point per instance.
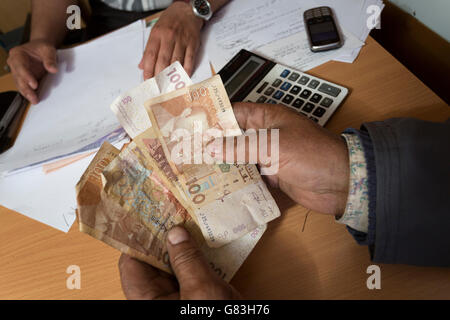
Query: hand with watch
176,35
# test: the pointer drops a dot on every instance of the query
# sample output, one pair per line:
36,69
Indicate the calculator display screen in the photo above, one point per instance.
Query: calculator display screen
323,32
242,75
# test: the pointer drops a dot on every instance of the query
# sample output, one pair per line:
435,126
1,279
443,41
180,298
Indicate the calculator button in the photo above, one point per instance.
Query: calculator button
303,80
298,103
296,90
272,101
262,87
319,112
286,86
308,107
269,91
305,94
314,119
326,102
315,98
313,84
278,95
276,83
288,99
285,73
261,99
294,76
329,89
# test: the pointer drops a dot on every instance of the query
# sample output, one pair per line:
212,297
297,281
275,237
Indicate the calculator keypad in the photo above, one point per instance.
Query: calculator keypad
308,107
296,90
303,80
294,76
286,86
277,83
298,103
269,91
305,94
313,97
261,88
288,99
278,95
285,73
313,84
261,99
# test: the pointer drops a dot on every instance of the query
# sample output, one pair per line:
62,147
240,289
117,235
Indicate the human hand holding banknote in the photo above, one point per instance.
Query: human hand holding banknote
131,198
194,279
313,168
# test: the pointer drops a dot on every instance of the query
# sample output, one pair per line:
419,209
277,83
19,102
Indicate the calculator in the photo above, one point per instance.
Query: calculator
251,78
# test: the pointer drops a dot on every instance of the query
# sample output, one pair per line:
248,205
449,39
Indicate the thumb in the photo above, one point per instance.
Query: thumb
48,57
187,261
253,147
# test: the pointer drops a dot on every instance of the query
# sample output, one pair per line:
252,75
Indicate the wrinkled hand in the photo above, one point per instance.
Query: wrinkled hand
195,280
313,162
29,63
175,37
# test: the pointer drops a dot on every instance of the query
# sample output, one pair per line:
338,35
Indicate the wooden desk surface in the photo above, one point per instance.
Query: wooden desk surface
320,262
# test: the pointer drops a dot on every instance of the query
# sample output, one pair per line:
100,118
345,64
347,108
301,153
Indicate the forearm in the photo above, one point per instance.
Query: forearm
48,20
217,4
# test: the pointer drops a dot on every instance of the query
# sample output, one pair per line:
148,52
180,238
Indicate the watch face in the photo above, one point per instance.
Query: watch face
202,7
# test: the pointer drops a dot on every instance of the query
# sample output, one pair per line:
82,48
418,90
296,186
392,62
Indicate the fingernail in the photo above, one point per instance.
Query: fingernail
177,235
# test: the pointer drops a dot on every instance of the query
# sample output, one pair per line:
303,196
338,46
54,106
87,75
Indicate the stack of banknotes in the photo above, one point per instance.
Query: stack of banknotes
131,198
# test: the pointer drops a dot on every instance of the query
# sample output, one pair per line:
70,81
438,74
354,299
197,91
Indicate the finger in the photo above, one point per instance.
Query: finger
140,280
18,65
49,59
188,263
254,147
260,143
149,58
26,76
251,117
178,53
164,55
189,59
26,91
262,116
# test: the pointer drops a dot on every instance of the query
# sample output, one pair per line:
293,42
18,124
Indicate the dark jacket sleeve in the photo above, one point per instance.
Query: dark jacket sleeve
412,207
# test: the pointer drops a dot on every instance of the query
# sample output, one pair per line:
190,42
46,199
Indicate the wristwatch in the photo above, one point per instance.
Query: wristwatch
202,9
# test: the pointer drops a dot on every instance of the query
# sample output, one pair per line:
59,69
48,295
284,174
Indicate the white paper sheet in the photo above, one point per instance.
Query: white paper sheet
202,69
256,23
74,109
294,51
47,198
251,24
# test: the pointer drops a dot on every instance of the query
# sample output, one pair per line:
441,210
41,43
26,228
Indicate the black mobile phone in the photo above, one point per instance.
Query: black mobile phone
321,29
